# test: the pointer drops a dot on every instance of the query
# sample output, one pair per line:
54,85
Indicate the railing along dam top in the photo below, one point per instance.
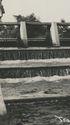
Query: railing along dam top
35,34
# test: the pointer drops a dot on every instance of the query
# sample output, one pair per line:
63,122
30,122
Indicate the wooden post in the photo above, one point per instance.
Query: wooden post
54,34
23,33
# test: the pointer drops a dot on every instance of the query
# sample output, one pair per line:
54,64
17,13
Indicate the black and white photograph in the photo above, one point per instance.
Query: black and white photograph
34,62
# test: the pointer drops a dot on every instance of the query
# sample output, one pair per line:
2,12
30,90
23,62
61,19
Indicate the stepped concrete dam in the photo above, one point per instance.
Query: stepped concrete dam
34,73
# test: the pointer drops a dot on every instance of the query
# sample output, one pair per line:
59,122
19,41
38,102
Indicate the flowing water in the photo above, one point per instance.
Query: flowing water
33,53
21,72
39,111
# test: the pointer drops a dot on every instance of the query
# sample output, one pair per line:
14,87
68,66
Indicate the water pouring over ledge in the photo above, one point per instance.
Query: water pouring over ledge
34,53
11,70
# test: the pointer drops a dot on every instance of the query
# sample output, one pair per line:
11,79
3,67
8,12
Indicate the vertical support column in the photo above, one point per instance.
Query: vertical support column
23,33
54,34
3,111
2,104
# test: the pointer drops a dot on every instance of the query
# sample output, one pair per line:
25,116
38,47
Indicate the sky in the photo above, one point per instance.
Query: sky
45,10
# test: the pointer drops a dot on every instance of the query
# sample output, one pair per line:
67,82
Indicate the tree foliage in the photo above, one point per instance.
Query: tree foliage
64,29
30,18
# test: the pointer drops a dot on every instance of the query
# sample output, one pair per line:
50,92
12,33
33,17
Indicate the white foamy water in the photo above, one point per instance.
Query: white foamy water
48,79
36,60
35,79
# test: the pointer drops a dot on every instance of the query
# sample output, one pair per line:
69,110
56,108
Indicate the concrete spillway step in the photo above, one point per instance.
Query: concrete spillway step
35,63
34,53
21,69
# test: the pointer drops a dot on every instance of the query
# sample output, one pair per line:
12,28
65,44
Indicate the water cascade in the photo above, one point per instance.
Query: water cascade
28,52
11,32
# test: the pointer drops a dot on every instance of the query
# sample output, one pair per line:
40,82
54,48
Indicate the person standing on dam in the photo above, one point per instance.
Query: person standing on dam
2,11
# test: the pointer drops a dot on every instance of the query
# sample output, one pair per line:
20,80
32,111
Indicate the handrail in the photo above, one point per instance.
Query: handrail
64,24
39,23
9,23
14,30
